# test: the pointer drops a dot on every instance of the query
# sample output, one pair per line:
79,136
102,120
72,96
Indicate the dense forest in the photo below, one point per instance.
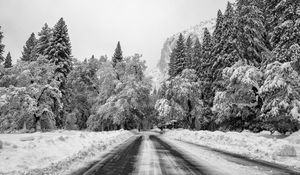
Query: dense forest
244,75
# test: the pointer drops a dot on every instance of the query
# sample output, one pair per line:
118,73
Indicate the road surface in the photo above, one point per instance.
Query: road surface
148,154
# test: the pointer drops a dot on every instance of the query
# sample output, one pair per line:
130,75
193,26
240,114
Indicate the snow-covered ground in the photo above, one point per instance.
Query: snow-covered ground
262,146
54,152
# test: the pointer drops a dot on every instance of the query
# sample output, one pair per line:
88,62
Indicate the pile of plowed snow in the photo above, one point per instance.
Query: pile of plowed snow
256,146
53,152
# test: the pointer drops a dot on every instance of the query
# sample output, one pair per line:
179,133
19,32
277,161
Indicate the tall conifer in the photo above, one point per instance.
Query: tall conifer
28,49
7,62
217,34
287,31
44,40
1,46
197,55
59,48
189,52
250,32
180,55
118,55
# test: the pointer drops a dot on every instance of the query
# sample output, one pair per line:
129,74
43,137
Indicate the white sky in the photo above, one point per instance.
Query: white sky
95,26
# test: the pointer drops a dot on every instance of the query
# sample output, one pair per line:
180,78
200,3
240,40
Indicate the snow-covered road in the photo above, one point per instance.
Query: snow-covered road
149,154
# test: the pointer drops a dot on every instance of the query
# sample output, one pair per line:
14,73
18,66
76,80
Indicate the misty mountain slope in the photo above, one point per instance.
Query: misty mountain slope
160,72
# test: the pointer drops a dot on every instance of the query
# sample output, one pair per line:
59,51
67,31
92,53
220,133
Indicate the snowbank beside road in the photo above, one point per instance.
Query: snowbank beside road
52,152
248,144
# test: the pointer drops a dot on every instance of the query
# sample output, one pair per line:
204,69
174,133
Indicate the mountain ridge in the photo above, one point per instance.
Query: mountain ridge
160,72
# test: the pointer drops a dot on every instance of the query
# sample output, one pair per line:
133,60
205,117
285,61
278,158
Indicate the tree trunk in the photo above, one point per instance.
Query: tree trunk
24,126
193,123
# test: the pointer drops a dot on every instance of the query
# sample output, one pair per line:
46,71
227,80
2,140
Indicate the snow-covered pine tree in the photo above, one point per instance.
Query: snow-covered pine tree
217,34
227,47
28,49
59,48
271,19
250,32
179,55
189,52
271,16
218,64
7,63
118,55
206,57
197,55
287,31
44,40
59,53
1,46
228,38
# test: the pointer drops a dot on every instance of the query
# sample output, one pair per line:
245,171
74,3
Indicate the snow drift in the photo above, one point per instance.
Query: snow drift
256,146
53,152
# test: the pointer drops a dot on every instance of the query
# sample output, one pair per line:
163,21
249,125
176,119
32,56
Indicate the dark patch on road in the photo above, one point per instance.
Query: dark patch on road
120,162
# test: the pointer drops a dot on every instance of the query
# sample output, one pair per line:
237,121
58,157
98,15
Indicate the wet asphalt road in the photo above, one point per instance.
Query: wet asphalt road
150,155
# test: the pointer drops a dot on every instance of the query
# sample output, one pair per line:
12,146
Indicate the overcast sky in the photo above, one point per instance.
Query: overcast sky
95,26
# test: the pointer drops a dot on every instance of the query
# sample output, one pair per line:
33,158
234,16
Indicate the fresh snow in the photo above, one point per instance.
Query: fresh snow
216,163
54,152
262,146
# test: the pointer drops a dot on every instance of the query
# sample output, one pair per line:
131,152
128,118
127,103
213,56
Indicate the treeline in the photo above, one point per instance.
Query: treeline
49,89
245,75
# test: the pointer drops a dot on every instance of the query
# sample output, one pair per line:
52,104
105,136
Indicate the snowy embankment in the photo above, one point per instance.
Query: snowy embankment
262,146
54,152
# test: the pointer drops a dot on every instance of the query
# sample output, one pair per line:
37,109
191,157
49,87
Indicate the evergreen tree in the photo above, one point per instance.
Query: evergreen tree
118,55
7,62
272,14
250,32
59,48
197,55
228,38
58,52
206,59
217,47
44,40
189,52
28,49
1,46
179,56
205,73
271,19
217,34
225,52
206,45
287,31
